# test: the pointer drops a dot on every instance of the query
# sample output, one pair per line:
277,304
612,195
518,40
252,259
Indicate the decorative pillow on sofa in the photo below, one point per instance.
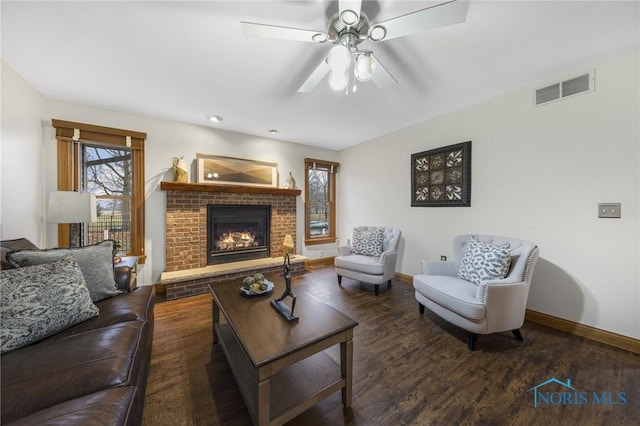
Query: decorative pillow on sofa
95,261
483,261
367,243
38,301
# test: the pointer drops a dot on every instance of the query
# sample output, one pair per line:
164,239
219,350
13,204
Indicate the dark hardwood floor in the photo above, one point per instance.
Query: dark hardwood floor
408,369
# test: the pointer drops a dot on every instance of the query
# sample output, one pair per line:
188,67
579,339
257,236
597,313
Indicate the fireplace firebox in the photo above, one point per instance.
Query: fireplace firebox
236,233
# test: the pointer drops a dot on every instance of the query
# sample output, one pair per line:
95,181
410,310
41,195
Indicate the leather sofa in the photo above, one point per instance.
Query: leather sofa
94,372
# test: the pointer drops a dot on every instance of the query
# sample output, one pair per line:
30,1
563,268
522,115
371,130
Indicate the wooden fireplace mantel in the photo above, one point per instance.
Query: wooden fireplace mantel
238,189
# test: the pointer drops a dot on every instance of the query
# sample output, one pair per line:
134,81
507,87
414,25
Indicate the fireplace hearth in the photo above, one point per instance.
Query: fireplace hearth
237,232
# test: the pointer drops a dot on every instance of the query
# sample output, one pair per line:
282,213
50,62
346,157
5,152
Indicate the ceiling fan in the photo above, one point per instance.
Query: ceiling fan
350,27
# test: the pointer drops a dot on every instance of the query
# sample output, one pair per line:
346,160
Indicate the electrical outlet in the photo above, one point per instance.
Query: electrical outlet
443,258
609,210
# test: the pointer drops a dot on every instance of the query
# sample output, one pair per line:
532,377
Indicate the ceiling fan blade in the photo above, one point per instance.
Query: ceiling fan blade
315,78
251,29
349,11
381,77
452,12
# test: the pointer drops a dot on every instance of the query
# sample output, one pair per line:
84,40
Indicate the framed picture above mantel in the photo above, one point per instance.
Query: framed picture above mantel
441,177
219,170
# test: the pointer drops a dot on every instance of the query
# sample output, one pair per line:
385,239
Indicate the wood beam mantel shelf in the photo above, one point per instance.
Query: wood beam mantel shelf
238,189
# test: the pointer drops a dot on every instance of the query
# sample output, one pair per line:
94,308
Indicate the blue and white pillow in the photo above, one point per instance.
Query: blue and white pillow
484,261
367,243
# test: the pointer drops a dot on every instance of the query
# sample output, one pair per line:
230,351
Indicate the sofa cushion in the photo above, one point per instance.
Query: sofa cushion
96,263
136,305
114,406
38,301
484,261
453,293
367,243
63,369
364,264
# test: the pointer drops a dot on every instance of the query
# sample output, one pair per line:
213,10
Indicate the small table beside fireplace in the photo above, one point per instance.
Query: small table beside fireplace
282,368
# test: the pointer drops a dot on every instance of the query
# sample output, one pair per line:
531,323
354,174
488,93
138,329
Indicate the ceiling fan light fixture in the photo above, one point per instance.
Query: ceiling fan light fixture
377,33
349,17
339,58
365,67
338,80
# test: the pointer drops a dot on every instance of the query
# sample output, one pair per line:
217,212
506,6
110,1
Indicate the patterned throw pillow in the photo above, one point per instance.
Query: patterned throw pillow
367,243
96,263
483,261
38,301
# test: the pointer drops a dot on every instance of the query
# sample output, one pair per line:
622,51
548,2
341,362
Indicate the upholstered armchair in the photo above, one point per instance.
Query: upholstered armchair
483,289
371,257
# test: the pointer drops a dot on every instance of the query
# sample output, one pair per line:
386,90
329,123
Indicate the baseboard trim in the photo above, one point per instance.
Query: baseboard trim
319,262
404,278
613,339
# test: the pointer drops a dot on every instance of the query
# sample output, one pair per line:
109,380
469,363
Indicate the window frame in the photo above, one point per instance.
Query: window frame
332,168
69,136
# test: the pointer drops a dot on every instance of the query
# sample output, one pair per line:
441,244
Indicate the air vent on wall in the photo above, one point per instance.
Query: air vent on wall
583,83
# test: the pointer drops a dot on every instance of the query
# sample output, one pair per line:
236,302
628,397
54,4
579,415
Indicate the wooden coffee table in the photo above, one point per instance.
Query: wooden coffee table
281,368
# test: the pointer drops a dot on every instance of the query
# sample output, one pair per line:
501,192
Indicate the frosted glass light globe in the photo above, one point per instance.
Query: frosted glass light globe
339,58
338,80
365,67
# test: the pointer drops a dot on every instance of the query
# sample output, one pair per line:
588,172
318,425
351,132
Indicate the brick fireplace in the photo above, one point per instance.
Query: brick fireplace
186,227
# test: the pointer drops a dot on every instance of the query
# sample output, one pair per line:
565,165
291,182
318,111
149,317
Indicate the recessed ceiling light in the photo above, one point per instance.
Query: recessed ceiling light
215,118
273,131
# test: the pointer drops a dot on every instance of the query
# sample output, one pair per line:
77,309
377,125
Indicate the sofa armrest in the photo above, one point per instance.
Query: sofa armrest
388,259
435,267
344,250
125,273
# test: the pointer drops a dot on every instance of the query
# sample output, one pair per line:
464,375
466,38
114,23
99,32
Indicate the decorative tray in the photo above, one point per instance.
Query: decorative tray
248,292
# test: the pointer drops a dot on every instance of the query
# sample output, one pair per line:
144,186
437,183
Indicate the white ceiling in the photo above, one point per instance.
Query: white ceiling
186,60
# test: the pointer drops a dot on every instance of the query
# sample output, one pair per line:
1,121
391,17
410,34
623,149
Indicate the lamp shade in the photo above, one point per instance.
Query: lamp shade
287,245
288,241
71,207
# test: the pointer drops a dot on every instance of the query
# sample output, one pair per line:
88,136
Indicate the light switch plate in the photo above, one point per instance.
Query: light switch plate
609,210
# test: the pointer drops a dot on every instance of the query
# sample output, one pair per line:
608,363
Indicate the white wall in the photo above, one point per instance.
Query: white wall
167,139
537,174
22,199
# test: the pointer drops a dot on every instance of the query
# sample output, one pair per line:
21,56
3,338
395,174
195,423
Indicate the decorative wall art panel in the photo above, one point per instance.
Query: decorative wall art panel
441,177
236,171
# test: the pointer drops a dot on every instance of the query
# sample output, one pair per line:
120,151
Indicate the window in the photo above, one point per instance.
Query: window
108,163
107,173
320,210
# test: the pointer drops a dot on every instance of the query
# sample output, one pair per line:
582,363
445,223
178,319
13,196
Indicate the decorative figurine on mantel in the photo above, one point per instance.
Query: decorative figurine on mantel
278,304
179,167
290,182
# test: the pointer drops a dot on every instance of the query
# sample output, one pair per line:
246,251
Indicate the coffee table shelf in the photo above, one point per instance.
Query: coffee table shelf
295,370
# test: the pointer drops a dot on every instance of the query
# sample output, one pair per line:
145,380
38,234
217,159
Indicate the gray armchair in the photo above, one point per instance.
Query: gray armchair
371,259
480,303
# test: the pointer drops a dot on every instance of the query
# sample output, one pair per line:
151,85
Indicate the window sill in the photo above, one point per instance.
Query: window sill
317,241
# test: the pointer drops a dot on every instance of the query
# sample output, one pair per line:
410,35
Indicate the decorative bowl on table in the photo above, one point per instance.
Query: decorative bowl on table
256,285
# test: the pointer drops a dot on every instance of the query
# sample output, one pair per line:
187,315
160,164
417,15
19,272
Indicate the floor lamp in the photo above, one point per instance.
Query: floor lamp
73,208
